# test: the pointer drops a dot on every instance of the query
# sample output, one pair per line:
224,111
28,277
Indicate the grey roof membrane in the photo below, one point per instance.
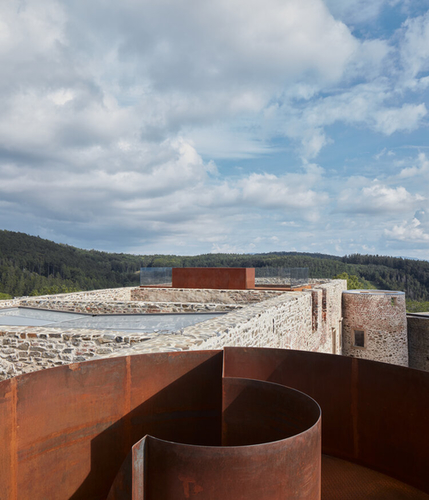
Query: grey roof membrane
133,323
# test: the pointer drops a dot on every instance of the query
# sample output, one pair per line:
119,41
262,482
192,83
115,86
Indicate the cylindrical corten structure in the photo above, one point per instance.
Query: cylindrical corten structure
375,326
271,449
208,425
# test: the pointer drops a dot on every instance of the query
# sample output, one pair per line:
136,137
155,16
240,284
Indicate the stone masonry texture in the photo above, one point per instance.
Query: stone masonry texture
307,320
381,316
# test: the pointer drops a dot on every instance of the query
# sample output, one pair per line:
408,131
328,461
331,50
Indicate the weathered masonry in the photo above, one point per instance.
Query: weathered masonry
375,326
305,320
323,317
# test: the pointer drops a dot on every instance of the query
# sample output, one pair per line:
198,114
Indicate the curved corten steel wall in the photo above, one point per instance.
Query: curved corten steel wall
198,425
270,449
373,414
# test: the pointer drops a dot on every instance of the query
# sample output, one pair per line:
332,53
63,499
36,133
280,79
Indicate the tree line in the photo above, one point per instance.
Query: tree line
30,265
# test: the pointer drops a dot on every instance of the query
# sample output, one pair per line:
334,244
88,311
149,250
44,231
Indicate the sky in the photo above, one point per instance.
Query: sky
238,126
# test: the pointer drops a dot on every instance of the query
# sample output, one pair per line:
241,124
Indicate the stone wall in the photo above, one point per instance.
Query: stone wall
294,320
418,341
108,294
129,307
33,348
202,295
285,322
381,316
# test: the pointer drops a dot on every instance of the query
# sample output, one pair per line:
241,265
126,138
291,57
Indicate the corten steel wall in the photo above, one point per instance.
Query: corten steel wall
270,449
222,278
381,315
418,341
373,414
66,432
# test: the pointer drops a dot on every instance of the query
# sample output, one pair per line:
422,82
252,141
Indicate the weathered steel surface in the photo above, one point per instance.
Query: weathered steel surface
222,278
374,414
281,430
66,432
76,424
344,480
8,442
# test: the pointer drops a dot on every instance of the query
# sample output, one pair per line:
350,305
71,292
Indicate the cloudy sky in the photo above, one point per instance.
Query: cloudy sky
194,126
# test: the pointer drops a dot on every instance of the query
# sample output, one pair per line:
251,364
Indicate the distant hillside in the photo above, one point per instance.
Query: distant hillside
29,264
32,265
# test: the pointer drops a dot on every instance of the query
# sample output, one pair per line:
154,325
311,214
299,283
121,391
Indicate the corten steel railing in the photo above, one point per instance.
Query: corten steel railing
208,425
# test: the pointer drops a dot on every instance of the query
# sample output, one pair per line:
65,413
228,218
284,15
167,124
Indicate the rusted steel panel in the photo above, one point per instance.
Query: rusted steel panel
8,445
393,421
80,421
374,414
286,468
130,480
344,480
65,432
255,412
325,378
177,396
222,278
70,430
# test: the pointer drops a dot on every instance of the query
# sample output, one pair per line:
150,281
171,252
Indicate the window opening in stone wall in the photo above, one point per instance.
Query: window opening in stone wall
394,301
359,340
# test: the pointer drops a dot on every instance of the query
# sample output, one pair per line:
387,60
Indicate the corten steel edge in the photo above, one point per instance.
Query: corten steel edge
67,432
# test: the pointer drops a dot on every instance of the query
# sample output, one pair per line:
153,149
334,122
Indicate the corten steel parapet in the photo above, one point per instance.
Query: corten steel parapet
198,425
219,278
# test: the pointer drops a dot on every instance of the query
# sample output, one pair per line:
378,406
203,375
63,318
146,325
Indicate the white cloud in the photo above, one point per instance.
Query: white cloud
407,118
421,168
409,231
287,192
111,114
414,50
376,199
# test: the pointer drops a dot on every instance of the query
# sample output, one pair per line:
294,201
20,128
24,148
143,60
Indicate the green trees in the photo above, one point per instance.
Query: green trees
31,265
354,282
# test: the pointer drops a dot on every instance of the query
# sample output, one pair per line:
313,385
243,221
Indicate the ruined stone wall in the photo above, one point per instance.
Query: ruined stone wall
418,342
286,320
381,316
28,349
327,314
108,294
206,295
129,307
4,304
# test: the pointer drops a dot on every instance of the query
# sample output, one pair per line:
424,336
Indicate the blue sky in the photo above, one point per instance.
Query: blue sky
231,126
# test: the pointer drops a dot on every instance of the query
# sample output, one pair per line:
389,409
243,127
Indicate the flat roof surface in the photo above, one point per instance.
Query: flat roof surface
133,323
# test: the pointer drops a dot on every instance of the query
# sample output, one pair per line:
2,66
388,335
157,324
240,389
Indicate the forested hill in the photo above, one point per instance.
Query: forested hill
30,265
